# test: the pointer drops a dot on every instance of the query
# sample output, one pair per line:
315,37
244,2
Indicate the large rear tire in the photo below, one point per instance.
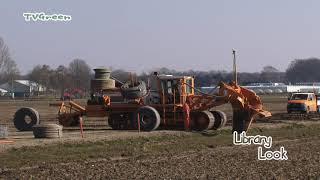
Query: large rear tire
203,120
220,119
149,118
20,121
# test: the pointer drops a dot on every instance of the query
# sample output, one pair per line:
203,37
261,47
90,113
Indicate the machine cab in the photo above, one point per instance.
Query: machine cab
173,89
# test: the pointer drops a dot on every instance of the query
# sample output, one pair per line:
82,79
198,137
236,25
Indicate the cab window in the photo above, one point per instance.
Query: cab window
188,87
299,97
311,97
169,85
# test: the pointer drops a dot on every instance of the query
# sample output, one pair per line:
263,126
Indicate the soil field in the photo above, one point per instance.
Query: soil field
107,154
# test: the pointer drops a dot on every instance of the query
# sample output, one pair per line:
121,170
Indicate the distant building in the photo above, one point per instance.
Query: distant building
3,92
268,88
271,88
22,88
266,84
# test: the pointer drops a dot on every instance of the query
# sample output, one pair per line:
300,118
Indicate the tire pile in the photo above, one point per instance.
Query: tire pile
134,90
47,131
102,80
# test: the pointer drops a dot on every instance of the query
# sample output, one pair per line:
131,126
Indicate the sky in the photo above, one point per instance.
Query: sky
141,35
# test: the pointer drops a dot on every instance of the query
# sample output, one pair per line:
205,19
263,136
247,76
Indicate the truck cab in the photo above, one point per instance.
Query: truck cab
302,102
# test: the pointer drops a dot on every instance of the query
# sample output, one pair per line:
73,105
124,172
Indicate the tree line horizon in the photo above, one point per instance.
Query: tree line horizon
79,73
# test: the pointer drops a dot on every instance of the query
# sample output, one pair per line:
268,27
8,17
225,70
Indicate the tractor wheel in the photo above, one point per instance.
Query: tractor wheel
203,120
25,118
220,119
149,118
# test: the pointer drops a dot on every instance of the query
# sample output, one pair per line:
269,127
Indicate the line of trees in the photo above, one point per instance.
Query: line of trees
304,70
78,73
211,78
77,76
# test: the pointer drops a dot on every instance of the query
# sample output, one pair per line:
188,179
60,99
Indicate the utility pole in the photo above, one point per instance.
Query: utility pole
235,78
12,90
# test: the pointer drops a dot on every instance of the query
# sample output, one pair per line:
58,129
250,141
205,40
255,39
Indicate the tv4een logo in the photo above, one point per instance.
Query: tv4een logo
45,17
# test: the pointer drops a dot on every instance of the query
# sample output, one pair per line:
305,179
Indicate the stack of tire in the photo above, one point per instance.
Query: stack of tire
47,131
134,90
33,124
102,80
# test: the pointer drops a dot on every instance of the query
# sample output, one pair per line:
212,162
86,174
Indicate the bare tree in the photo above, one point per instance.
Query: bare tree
121,75
9,71
80,73
41,74
8,67
4,53
271,74
61,79
269,69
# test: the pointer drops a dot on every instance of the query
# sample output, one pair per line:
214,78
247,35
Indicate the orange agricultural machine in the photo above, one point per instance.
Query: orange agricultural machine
166,101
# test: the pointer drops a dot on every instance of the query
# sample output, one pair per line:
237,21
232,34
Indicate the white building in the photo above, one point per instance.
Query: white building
274,88
3,92
22,87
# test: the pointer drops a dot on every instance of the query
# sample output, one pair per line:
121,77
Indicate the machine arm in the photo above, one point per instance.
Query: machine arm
246,105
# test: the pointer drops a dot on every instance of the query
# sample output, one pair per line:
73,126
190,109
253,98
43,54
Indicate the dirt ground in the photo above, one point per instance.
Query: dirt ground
165,154
228,162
